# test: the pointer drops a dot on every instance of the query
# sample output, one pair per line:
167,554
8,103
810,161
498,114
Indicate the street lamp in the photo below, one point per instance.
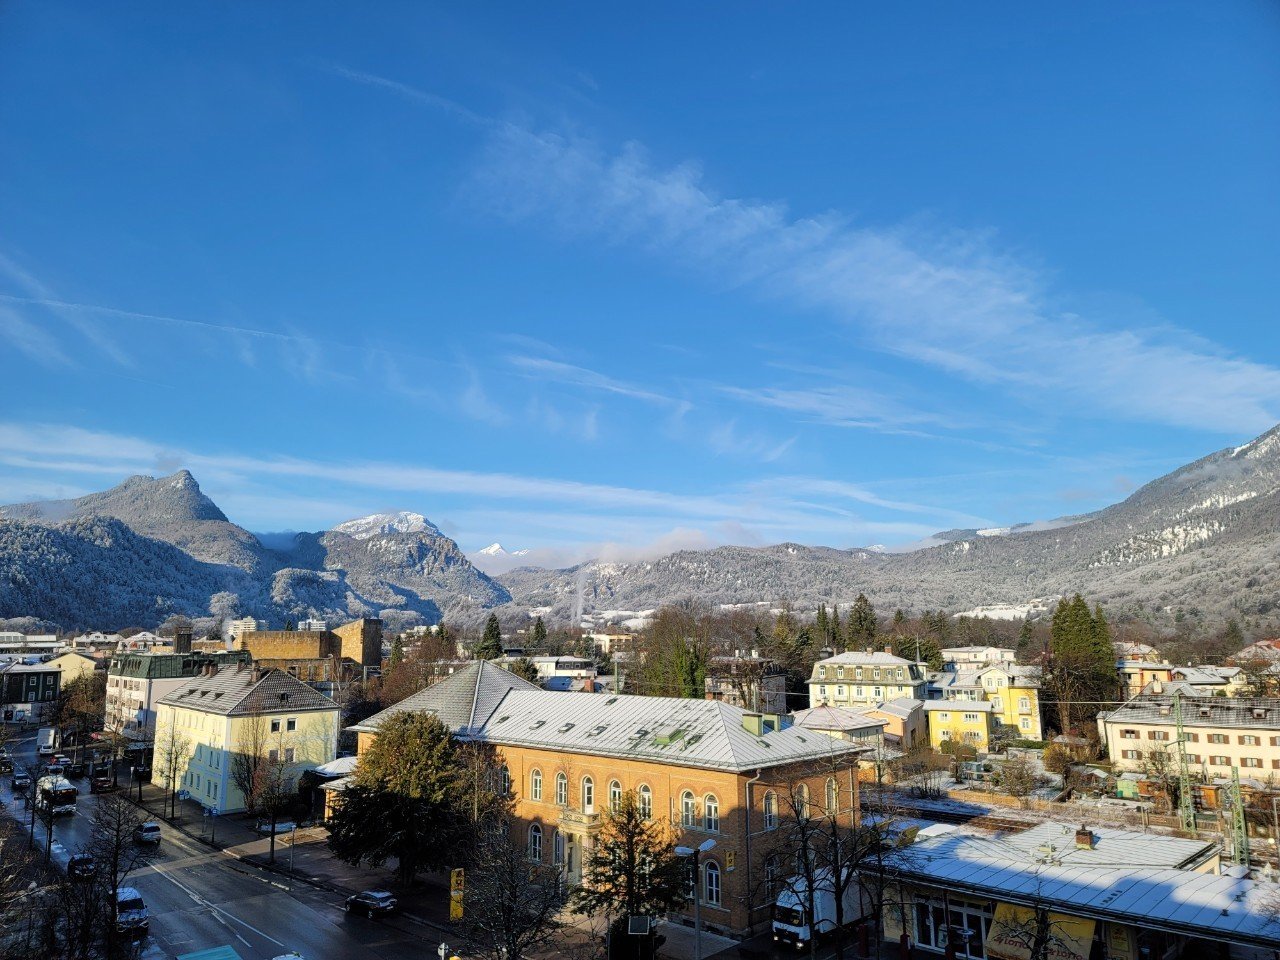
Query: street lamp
696,853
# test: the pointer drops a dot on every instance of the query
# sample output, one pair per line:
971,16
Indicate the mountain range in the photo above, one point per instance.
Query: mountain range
1200,542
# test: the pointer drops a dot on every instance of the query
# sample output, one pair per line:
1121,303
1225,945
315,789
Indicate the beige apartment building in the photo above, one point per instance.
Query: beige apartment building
865,679
1219,733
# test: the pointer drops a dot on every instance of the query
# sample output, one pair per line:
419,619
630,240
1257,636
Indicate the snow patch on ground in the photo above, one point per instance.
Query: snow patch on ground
1011,611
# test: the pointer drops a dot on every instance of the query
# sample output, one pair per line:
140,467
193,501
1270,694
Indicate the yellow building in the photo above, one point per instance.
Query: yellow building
1013,692
220,713
73,666
970,722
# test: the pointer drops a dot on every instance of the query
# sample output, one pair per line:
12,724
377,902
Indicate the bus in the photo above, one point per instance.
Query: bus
57,795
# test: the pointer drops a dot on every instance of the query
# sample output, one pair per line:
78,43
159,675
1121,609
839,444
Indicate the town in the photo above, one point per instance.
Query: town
712,783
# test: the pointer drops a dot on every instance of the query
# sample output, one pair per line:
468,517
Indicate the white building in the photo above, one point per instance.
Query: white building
233,628
976,656
313,626
865,678
29,643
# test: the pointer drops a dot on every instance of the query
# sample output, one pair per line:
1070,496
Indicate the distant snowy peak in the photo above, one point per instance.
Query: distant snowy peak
498,550
380,523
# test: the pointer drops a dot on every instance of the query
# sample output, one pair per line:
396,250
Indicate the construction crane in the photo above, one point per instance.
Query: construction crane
1186,805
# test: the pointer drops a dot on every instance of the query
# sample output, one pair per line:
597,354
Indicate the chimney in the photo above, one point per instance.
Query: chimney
257,673
182,641
1084,838
888,648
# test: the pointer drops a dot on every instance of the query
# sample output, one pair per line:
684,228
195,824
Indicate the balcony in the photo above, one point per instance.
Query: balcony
577,820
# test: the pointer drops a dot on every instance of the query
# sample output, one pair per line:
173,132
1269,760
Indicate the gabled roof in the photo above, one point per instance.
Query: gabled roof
463,700
901,707
241,691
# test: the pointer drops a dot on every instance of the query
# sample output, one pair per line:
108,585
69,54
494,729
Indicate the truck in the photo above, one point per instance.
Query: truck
56,794
46,741
792,923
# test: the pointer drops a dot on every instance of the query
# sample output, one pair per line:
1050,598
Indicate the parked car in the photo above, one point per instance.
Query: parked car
102,783
372,903
6,765
282,826
75,771
148,832
54,769
131,912
82,866
20,782
61,758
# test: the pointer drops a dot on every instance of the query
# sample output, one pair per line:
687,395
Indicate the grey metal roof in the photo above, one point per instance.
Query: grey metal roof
901,707
1182,901
959,706
707,734
1198,712
1112,847
236,691
834,718
462,700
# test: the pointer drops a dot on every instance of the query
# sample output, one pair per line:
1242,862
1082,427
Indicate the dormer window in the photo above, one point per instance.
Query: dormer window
822,673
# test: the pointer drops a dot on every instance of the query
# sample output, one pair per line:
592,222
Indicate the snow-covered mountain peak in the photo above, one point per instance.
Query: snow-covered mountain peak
496,549
403,521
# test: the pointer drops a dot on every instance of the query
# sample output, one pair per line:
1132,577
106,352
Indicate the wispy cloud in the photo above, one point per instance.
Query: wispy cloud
730,438
411,93
40,295
840,405
950,300
30,340
557,371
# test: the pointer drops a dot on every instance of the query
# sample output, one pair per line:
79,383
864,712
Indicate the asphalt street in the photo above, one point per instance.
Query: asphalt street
200,898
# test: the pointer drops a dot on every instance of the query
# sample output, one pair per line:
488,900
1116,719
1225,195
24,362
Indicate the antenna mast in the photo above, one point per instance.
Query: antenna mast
1186,807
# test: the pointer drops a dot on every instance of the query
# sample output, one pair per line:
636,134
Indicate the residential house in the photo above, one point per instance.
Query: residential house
1263,650
960,657
867,678
1109,893
27,690
905,724
609,644
961,721
73,666
559,673
226,711
1213,680
1133,650
747,680
136,682
1012,690
1218,733
716,772
1136,675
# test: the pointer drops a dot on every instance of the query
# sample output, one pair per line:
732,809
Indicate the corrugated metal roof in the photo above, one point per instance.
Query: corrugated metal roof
1199,712
834,718
901,707
1182,901
462,700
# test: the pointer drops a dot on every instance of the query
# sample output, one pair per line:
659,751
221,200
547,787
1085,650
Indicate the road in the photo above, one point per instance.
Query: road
200,898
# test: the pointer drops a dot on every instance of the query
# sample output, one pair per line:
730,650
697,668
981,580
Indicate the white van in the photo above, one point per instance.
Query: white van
792,923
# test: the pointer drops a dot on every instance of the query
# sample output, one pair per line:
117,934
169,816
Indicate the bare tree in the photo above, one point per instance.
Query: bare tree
1019,778
513,904
172,753
249,757
114,820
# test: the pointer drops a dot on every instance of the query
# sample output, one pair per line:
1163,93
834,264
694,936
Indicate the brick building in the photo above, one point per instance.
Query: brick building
714,771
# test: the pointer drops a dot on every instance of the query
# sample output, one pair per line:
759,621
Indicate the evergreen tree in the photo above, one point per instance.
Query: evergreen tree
899,621
1081,670
1233,636
490,647
1026,641
835,637
397,653
862,626
822,624
539,634
921,648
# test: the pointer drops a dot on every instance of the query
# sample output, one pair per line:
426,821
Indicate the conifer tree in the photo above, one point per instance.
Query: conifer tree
822,624
539,634
1026,638
899,621
490,647
862,626
397,653
835,638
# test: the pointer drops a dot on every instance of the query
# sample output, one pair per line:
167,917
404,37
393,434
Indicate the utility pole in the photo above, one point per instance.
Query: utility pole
1239,828
1186,807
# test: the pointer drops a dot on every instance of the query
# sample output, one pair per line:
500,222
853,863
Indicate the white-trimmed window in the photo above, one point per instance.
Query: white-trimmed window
535,843
562,789
771,811
505,780
535,785
588,795
711,812
644,800
688,810
802,801
833,797
711,883
615,796
557,848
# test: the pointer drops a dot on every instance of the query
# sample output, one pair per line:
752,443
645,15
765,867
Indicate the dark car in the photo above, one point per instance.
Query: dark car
82,866
21,781
6,765
102,783
372,903
75,771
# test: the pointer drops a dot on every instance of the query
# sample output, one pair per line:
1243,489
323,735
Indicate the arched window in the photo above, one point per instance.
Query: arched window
833,797
688,810
711,812
802,802
562,789
535,785
644,800
711,883
615,796
772,877
506,781
588,795
557,848
535,843
771,811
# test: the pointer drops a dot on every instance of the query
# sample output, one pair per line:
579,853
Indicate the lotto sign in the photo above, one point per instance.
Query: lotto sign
457,883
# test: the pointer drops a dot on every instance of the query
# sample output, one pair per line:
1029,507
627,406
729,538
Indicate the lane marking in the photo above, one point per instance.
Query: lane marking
219,913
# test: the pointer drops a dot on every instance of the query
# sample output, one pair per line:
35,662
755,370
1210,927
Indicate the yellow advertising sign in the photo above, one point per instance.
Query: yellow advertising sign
1013,934
457,883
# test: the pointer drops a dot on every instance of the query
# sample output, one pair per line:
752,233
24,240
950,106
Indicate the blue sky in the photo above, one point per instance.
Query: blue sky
607,281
